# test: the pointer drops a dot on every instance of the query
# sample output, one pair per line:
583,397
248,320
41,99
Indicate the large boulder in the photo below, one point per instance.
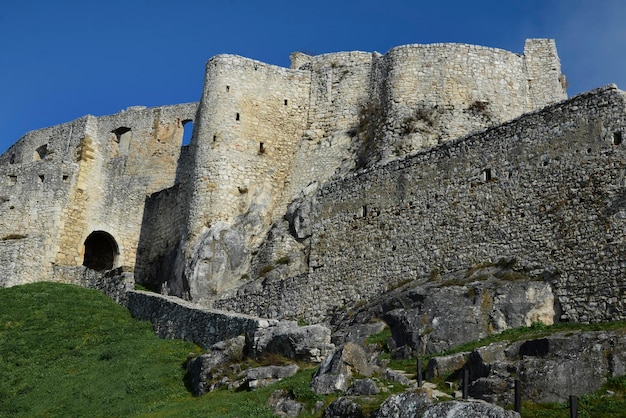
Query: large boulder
344,407
439,315
549,369
309,343
338,368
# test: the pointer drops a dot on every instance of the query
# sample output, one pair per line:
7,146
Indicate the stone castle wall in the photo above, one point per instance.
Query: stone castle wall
195,216
546,189
250,118
92,174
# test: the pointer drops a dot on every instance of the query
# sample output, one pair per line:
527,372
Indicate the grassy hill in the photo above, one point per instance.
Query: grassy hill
69,351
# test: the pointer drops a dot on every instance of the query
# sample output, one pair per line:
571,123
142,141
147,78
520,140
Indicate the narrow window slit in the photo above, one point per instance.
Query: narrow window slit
617,137
261,148
237,116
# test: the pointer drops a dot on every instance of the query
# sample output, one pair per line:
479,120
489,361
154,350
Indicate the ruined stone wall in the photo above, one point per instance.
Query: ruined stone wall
162,231
92,174
37,174
546,189
340,88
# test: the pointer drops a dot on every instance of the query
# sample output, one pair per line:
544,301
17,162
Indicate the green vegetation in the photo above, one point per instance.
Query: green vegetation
69,351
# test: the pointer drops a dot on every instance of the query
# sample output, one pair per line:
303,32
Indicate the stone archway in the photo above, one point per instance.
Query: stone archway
101,251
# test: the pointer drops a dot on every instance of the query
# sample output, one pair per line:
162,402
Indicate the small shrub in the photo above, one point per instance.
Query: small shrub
13,236
266,269
283,260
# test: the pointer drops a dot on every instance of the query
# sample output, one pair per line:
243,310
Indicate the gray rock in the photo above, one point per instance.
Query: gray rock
282,405
259,377
550,369
444,365
205,372
343,408
357,333
407,404
337,369
309,343
363,387
436,316
563,364
300,210
396,376
466,409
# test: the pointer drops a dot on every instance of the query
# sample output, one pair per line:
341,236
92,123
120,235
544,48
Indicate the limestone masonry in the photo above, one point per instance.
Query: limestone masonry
311,189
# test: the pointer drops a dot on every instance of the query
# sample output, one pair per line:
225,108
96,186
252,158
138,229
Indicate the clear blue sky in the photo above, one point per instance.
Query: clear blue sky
63,59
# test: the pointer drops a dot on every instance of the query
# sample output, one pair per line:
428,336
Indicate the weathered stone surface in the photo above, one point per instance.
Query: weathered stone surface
395,376
357,333
337,369
441,316
363,387
343,407
410,403
172,317
550,369
443,365
467,409
259,377
309,343
283,405
205,372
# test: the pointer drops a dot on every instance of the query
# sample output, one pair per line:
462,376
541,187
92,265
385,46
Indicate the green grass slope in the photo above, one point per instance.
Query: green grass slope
68,351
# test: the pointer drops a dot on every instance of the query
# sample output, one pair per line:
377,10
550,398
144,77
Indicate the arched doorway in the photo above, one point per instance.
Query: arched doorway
101,251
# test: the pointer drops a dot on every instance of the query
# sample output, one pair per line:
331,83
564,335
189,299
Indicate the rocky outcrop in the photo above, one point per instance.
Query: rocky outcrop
419,403
282,405
433,316
208,371
550,369
259,377
406,404
339,367
307,343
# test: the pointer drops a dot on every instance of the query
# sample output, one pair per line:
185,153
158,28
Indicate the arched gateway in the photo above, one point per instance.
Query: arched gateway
101,251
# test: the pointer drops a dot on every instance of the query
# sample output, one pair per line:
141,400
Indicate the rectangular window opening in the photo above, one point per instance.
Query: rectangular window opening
286,102
237,116
487,174
261,148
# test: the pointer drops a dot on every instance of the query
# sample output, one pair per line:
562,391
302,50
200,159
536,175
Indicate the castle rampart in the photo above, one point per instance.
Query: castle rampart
192,219
545,189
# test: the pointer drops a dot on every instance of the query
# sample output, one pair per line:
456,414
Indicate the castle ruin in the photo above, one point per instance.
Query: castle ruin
308,189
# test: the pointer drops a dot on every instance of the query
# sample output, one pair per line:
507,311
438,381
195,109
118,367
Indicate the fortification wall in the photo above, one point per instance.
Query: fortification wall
546,189
249,121
37,175
123,158
340,88
162,231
